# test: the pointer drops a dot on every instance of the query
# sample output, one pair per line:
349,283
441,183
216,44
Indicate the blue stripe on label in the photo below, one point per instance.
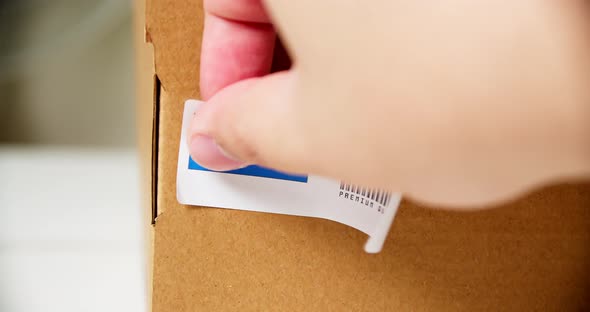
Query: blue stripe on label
255,171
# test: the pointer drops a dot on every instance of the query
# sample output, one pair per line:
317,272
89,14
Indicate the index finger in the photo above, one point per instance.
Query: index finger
238,43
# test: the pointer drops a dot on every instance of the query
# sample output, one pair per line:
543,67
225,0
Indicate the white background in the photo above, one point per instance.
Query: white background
70,230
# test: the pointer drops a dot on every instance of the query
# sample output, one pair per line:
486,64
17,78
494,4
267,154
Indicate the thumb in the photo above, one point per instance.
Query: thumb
253,121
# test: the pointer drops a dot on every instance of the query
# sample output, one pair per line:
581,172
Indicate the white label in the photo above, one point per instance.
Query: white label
264,190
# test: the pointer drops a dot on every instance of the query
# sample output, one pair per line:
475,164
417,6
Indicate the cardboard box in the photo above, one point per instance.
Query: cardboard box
529,255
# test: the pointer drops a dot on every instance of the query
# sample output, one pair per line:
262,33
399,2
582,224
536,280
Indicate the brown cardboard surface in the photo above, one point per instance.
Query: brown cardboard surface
530,255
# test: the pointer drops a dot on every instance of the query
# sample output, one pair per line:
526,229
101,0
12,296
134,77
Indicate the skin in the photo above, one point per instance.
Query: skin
455,103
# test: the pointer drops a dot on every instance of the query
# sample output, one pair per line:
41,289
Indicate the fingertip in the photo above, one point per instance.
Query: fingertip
255,120
205,151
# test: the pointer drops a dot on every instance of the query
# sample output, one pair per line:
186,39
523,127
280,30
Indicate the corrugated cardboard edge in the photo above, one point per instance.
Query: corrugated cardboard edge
150,91
146,121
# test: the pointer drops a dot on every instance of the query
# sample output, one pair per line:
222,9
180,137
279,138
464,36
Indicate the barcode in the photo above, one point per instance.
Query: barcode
377,195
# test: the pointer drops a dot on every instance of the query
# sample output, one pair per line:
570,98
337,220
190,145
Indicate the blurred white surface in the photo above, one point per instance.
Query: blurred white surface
70,231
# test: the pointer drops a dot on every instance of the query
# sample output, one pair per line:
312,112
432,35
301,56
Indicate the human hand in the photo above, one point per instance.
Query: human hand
451,102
